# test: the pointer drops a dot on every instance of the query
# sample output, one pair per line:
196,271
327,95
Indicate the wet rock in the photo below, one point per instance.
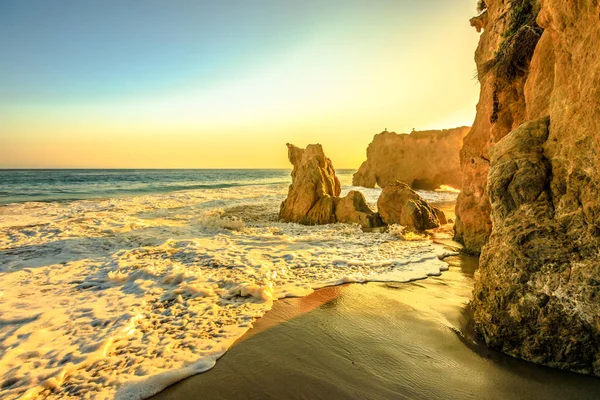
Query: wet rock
313,196
532,180
399,204
354,209
441,216
537,291
314,186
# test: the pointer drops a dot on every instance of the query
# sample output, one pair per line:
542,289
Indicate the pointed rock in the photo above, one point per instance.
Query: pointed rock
311,195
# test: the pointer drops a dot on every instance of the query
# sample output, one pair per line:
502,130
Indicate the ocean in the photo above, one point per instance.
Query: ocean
117,283
79,184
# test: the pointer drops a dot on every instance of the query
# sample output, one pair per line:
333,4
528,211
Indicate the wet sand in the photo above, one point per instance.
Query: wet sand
378,341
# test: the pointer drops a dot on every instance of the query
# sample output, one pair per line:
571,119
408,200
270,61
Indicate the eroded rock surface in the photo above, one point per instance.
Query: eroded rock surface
537,293
423,160
353,209
314,186
531,167
502,74
441,216
313,196
399,204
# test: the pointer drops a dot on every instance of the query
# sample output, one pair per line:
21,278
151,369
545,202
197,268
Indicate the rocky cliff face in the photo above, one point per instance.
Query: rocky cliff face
531,167
423,160
502,69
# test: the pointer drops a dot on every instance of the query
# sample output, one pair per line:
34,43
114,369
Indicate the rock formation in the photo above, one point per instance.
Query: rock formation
441,216
314,186
399,204
313,195
353,209
423,160
501,109
531,166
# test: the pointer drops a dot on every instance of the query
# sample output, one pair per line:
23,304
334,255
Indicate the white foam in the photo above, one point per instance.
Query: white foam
445,194
122,297
447,188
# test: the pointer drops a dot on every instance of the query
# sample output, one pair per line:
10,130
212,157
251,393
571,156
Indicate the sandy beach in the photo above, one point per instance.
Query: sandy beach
378,341
300,200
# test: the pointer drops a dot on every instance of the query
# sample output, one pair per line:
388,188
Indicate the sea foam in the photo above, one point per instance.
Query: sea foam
122,297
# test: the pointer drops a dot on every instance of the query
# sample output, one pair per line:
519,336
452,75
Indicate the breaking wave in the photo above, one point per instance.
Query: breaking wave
124,296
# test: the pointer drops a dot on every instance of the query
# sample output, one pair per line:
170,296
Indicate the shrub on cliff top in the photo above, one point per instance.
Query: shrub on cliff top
522,13
481,6
520,39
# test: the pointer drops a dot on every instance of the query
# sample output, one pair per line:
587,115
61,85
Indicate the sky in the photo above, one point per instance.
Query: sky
226,84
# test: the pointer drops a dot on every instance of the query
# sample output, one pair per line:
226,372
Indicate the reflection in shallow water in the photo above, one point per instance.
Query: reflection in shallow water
379,341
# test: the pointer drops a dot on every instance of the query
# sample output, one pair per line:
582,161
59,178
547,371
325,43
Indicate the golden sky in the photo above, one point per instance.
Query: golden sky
336,77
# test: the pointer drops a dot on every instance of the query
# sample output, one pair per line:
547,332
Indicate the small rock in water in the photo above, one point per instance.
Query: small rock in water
399,204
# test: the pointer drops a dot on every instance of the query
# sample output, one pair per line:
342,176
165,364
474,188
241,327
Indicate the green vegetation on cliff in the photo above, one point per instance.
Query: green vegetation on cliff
519,40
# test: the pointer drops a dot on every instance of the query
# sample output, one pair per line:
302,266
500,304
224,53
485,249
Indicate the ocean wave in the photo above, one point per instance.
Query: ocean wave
124,296
69,185
66,195
434,197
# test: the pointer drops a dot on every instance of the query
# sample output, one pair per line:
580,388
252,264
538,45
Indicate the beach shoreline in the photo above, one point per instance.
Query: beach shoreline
378,341
151,289
378,326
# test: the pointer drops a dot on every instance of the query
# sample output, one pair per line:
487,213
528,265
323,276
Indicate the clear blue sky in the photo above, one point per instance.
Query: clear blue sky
84,50
95,75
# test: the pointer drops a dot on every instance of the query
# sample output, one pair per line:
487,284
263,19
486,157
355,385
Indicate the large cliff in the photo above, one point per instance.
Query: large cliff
423,160
502,70
531,192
